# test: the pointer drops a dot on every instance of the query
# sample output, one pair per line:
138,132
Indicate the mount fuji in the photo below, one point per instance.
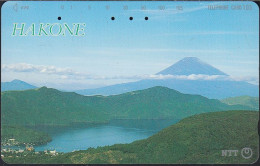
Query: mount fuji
214,88
191,65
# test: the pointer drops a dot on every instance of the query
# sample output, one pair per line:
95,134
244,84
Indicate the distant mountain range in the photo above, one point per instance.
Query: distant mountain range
217,89
16,85
45,106
212,88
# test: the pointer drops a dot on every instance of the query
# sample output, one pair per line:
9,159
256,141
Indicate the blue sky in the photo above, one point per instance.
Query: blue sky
122,50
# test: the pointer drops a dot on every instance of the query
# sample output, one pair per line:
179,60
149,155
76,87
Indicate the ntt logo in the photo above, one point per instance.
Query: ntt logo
246,153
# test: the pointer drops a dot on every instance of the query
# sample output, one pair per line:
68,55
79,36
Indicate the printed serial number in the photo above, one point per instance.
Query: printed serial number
227,7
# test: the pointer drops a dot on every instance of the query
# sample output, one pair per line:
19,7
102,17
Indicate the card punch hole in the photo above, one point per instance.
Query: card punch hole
131,18
113,18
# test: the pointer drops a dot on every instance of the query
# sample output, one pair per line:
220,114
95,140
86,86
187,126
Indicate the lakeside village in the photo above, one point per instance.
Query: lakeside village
27,149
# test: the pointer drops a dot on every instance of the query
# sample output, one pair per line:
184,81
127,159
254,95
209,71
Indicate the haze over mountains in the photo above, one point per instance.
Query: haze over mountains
190,66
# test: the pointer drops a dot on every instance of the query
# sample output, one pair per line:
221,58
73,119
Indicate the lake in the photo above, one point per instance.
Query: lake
114,132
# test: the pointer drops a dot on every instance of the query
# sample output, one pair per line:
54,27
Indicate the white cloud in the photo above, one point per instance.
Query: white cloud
69,74
24,67
253,80
187,77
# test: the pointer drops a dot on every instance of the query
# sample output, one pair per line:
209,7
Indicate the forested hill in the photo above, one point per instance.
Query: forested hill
249,101
46,106
198,139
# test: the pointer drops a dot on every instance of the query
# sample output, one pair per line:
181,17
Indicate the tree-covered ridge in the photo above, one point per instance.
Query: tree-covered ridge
249,101
196,139
15,135
46,106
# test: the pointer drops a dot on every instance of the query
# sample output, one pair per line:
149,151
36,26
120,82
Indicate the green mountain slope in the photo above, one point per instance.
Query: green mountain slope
196,139
252,102
22,136
45,106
